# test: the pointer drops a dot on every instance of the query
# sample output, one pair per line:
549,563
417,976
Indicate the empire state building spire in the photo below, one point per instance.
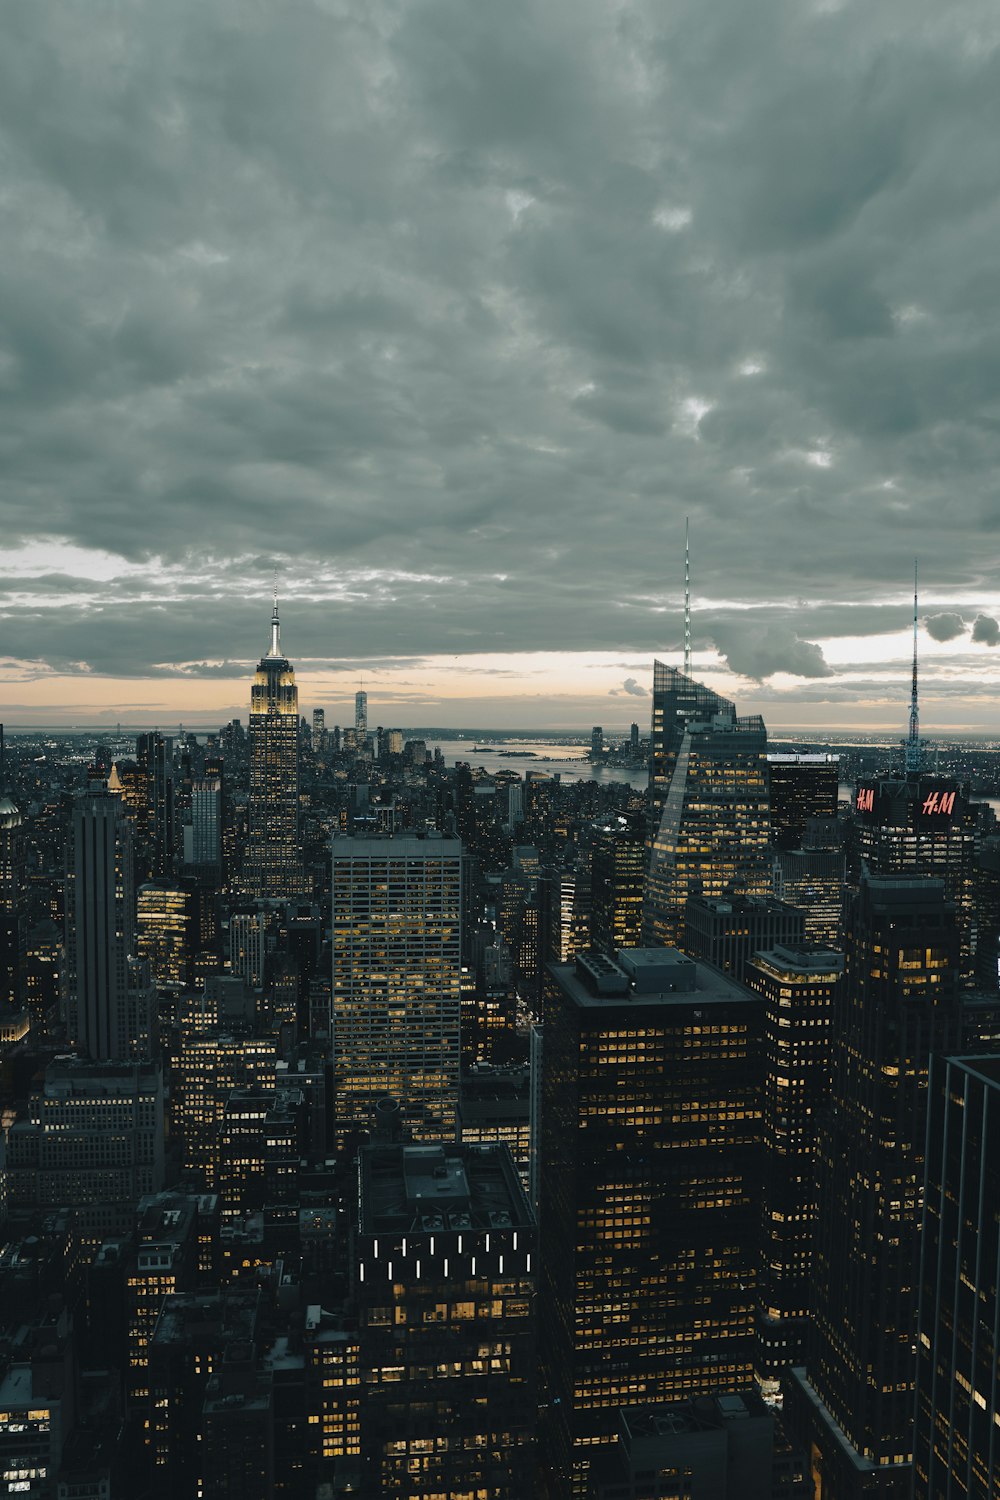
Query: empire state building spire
275,626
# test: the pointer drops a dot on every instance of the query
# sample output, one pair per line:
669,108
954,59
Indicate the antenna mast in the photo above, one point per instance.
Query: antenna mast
687,598
914,744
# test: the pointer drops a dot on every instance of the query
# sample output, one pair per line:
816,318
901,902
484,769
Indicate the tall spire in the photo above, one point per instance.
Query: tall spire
275,625
687,598
914,744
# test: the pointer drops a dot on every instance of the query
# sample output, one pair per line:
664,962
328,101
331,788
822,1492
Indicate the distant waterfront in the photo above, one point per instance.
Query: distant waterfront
568,761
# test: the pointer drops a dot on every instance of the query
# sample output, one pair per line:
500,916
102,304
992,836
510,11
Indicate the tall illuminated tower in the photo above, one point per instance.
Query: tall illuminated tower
361,716
272,867
713,832
397,906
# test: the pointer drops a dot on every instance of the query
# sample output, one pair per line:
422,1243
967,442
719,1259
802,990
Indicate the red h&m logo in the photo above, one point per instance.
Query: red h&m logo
866,799
940,803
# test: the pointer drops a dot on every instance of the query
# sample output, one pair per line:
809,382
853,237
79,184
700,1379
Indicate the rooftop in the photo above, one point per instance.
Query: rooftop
413,1188
645,976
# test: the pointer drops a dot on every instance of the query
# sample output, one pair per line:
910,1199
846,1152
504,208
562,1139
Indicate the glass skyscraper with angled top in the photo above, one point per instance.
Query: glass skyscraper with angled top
272,865
712,829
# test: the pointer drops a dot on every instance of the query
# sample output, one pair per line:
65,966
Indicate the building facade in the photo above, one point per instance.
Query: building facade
649,1193
852,1406
397,912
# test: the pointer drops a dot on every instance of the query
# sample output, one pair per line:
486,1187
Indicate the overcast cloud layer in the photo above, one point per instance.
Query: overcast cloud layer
455,311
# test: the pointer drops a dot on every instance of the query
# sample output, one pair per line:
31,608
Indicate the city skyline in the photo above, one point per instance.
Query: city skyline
456,318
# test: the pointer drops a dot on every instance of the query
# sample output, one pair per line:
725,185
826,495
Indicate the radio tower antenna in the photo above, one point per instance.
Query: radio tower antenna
687,598
914,744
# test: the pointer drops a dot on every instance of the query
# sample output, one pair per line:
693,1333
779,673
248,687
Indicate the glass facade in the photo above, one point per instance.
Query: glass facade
957,1450
713,835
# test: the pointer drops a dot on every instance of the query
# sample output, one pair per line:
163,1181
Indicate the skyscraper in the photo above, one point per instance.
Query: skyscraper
617,877
272,867
852,1407
712,837
156,804
109,993
441,1276
677,699
13,893
319,729
650,1160
397,906
957,1450
801,787
798,987
361,716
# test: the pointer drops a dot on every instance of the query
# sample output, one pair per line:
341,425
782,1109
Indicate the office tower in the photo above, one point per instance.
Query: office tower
801,787
677,699
248,946
165,927
272,867
852,1407
716,1446
919,825
192,1337
154,758
812,880
203,849
799,988
633,742
38,1403
110,1013
727,933
165,1261
394,739
650,1186
617,877
319,730
209,1066
397,907
238,1428
495,1109
361,717
596,742
262,1138
957,1444
564,899
91,1142
712,838
443,1272
13,898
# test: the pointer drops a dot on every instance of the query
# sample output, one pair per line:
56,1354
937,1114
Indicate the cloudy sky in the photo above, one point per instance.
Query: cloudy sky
452,312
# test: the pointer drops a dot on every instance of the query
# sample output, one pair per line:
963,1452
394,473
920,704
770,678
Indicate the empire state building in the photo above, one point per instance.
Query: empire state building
272,867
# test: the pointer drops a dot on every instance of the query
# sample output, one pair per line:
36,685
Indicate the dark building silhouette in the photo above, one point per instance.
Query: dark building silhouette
899,1005
957,1446
650,1183
801,787
728,931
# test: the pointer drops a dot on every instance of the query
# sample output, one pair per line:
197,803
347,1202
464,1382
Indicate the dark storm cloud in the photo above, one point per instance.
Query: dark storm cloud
986,631
493,296
757,652
945,626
